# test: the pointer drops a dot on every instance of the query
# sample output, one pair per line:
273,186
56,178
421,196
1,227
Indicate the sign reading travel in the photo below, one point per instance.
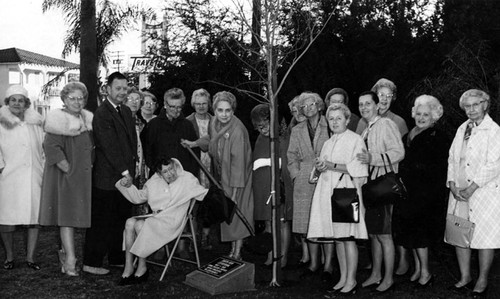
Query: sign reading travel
221,267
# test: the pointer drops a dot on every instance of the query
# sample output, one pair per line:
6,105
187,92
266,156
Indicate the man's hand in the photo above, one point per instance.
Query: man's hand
127,180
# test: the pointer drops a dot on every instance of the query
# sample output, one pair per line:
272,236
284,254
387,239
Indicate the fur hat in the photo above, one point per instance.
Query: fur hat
16,89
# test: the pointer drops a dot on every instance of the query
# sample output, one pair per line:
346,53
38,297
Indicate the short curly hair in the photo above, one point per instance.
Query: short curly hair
224,96
430,101
335,91
72,86
201,93
341,107
311,95
383,82
474,93
260,113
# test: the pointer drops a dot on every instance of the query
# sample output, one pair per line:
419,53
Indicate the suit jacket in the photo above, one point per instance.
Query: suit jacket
115,145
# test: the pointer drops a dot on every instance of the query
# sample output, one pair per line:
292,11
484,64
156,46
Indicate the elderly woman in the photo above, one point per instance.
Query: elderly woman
149,104
339,167
306,141
229,147
382,138
134,101
340,96
66,189
201,119
419,221
473,179
168,192
260,115
21,137
295,110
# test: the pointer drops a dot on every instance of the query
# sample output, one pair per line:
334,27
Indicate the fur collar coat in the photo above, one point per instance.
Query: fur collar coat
61,122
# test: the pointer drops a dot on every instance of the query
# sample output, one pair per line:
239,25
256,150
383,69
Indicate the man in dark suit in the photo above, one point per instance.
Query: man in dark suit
115,157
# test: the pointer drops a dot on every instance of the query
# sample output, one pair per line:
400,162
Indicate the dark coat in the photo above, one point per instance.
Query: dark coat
115,145
161,138
419,220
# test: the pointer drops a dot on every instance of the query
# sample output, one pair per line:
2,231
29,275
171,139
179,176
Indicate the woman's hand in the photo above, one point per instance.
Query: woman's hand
63,165
320,165
467,192
456,192
364,157
187,143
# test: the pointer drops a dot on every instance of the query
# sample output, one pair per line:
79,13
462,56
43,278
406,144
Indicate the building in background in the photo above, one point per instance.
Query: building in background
41,75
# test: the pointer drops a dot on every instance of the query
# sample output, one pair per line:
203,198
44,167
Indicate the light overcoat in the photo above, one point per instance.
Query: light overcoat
21,157
301,154
482,166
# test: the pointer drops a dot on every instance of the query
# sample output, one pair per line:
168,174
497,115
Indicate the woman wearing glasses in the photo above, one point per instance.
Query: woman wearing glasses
306,141
473,179
201,119
66,188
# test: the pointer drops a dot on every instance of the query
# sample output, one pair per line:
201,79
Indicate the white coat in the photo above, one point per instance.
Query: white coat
482,166
171,200
21,158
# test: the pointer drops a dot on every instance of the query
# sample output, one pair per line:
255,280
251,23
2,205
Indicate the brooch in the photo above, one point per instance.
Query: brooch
226,135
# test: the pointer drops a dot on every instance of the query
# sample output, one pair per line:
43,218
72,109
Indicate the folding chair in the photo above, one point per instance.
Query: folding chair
189,235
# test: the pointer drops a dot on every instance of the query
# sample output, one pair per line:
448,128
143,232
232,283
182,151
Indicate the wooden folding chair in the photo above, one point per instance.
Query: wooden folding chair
189,235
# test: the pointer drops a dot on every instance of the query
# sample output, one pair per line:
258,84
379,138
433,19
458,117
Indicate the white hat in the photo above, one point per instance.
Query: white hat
16,89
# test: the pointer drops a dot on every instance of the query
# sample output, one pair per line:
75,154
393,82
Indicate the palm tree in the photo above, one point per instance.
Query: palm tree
92,28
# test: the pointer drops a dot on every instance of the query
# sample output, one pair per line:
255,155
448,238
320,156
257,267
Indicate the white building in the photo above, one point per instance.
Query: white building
34,71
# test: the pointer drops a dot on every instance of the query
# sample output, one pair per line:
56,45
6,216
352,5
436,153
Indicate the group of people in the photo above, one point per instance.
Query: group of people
126,175
347,152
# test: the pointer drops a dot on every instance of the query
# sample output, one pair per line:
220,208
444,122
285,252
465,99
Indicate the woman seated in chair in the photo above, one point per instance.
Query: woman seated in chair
168,192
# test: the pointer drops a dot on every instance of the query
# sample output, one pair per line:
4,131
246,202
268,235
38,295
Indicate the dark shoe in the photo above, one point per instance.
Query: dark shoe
463,288
125,281
33,265
302,265
429,283
333,291
327,277
308,273
478,295
8,265
348,294
142,278
117,265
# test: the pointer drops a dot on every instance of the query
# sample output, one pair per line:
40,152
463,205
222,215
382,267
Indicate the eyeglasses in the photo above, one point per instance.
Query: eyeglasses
473,106
200,104
387,96
305,106
173,107
76,99
133,100
149,104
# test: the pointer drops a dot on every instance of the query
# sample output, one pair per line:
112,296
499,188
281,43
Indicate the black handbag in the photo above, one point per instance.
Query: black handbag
345,204
385,189
216,207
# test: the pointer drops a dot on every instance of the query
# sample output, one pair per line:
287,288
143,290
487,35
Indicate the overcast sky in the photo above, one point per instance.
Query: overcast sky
23,25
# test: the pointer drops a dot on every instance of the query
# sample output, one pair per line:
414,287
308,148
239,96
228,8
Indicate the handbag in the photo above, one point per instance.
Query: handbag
459,230
345,204
385,189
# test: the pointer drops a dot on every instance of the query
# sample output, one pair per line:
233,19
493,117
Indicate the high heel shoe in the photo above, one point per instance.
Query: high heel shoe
142,278
463,288
372,285
479,295
62,256
70,271
425,285
348,294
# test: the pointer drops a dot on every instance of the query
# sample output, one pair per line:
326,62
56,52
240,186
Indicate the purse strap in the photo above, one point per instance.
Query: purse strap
455,209
389,161
340,179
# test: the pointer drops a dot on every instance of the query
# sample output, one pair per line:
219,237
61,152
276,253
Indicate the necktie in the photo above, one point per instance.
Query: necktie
118,108
468,130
